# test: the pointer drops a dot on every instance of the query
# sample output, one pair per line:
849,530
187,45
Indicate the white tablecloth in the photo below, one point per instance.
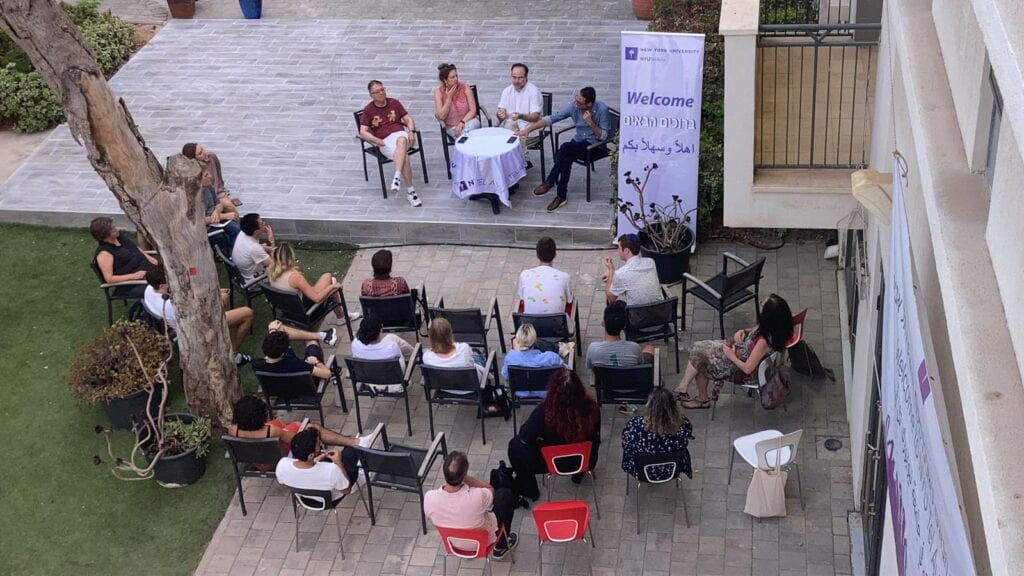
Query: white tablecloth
487,163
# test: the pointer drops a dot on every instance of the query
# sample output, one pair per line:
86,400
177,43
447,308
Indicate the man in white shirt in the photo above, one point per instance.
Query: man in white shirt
311,467
251,257
158,303
636,282
544,289
521,104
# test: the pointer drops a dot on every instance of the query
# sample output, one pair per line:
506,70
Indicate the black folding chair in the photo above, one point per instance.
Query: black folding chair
544,135
293,390
626,384
529,379
252,458
290,309
726,291
553,328
236,282
447,141
458,386
402,468
401,313
654,321
367,376
658,469
112,293
371,150
471,325
596,151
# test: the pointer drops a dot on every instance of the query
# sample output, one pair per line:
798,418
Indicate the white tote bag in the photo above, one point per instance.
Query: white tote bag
766,495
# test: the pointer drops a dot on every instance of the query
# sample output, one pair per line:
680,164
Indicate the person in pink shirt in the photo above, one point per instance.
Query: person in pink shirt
454,104
467,502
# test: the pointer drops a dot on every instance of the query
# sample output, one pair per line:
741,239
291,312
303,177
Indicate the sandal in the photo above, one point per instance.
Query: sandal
697,404
683,396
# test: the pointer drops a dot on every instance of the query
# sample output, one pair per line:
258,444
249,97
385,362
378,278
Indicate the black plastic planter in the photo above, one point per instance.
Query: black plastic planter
671,265
121,410
181,469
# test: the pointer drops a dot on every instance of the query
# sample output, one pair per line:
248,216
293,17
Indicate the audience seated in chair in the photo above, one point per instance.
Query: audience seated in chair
545,289
312,467
662,428
279,358
736,360
250,418
285,275
383,283
464,501
372,343
636,281
613,350
445,352
157,301
118,259
567,415
525,354
251,257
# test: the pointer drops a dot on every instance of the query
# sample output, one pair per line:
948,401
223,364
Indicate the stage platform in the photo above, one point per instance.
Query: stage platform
274,99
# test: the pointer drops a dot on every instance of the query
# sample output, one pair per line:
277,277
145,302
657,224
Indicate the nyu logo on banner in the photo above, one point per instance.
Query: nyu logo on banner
661,98
927,524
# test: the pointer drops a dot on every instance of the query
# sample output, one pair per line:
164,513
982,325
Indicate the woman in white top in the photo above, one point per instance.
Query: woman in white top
445,352
284,274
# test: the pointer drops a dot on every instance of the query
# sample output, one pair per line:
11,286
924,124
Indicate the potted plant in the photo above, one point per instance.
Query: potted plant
169,447
112,371
665,232
643,9
181,8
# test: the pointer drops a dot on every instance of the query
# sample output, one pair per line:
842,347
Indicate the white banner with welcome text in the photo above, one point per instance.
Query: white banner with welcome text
926,520
661,86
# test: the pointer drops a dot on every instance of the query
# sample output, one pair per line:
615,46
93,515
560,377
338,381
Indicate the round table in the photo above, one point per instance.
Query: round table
487,163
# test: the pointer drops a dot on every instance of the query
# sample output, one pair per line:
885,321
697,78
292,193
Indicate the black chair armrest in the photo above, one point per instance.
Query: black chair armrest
702,284
252,283
378,432
491,314
488,367
482,110
557,133
415,358
657,366
730,256
438,447
106,285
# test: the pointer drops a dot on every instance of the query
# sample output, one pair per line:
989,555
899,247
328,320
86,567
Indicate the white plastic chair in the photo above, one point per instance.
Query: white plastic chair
762,450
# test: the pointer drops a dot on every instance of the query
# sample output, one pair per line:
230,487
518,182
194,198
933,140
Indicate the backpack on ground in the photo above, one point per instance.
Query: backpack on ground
804,360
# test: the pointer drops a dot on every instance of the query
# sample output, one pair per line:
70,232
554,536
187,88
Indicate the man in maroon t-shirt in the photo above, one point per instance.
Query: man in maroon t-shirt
387,125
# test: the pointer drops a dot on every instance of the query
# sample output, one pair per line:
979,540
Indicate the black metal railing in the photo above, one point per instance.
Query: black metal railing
805,11
815,93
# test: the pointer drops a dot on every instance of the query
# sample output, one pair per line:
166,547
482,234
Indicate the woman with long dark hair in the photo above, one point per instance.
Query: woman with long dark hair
567,415
736,360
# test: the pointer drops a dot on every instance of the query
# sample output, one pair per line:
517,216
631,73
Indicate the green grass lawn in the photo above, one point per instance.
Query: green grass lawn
61,513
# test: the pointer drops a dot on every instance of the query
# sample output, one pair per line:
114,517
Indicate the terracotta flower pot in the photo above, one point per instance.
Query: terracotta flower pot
182,8
643,9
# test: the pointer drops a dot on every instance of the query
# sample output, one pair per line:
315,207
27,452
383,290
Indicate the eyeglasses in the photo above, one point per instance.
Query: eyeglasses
380,90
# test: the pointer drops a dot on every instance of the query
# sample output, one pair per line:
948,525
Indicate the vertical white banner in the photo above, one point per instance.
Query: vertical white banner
926,518
662,78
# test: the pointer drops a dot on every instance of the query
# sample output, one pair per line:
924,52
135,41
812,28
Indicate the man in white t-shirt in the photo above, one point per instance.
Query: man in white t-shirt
251,257
544,289
157,301
521,104
636,281
372,343
311,467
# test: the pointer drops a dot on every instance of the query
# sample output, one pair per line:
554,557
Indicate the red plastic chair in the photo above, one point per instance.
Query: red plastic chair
569,459
562,522
469,544
798,328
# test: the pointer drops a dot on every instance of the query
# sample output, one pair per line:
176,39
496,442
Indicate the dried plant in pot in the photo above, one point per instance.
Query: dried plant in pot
171,448
111,372
666,235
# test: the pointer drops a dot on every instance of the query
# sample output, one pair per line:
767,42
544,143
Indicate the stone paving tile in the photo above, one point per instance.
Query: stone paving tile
721,540
274,99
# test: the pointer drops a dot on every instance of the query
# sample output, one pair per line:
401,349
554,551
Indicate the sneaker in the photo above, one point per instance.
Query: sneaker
242,359
365,441
396,183
329,337
628,410
513,540
413,199
354,315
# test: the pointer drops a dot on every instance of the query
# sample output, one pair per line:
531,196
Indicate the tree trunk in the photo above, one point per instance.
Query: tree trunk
166,206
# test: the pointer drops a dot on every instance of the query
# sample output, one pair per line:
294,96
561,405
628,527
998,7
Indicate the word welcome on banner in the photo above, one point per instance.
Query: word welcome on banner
662,79
926,519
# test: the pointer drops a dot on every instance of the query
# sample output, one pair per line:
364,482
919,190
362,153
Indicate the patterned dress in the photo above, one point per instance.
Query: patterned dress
709,359
637,439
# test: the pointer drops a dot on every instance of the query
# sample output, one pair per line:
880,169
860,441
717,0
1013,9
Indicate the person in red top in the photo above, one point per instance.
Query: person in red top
387,125
383,283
